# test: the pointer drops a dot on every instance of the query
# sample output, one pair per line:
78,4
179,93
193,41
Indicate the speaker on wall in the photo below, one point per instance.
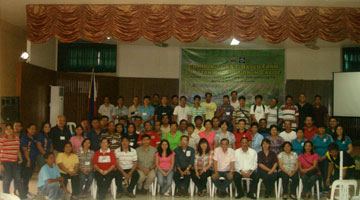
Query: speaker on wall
9,109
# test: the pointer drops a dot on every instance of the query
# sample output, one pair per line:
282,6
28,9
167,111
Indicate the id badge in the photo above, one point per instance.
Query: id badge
62,137
113,141
104,159
227,113
131,143
144,114
87,163
188,153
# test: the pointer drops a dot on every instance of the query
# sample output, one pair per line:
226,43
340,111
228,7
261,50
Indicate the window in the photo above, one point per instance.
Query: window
351,59
82,57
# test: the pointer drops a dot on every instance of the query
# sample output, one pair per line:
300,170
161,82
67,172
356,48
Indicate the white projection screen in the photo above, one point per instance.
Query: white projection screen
347,94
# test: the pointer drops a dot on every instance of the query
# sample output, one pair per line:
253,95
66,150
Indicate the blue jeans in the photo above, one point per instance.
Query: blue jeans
164,185
12,171
222,184
87,180
52,190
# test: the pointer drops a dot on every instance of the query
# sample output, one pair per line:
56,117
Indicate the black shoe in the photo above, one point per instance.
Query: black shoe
251,196
239,196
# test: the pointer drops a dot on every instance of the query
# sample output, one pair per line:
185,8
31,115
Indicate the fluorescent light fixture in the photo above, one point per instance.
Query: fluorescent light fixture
234,42
24,55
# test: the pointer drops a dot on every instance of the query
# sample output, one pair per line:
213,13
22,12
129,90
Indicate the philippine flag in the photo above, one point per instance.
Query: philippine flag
92,97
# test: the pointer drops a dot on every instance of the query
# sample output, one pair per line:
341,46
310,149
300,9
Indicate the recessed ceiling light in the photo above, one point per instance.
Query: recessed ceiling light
234,42
108,38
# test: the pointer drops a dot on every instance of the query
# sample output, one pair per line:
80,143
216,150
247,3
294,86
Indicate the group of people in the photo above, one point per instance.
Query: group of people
179,143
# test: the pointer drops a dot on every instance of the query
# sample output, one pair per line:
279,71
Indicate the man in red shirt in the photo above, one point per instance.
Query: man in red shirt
154,137
309,129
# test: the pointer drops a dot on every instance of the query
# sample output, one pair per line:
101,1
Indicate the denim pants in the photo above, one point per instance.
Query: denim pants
52,190
26,174
12,172
85,180
164,181
222,184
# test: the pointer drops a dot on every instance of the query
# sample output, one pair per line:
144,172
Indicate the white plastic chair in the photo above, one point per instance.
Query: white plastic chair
194,189
157,187
343,186
259,189
317,185
213,188
113,188
280,190
71,126
9,196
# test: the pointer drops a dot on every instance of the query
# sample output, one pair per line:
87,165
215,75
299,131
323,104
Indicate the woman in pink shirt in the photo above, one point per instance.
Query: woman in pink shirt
165,164
77,139
308,162
208,134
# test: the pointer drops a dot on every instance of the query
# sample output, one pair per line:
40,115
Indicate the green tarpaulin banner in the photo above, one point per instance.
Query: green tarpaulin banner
220,71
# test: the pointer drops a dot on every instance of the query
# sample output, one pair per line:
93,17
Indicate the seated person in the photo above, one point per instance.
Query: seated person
154,137
126,168
173,136
146,164
184,161
68,163
50,182
224,164
104,162
268,163
245,166
333,157
165,159
86,170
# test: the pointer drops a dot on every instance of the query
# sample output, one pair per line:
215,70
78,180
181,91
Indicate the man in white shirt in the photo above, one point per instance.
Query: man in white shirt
126,165
288,135
106,109
210,107
273,117
181,111
245,167
259,110
234,101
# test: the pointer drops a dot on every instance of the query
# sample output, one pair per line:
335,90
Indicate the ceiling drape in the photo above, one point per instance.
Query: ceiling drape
187,23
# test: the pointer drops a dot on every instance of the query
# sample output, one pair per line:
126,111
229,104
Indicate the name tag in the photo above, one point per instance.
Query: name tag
113,141
188,153
343,142
87,163
104,159
131,143
227,113
242,115
62,137
144,114
325,140
302,144
163,113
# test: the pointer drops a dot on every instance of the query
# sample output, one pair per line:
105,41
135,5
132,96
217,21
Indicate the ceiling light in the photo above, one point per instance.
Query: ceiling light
234,42
108,38
24,55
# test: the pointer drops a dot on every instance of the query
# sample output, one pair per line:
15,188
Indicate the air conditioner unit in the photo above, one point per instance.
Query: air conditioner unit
9,109
56,103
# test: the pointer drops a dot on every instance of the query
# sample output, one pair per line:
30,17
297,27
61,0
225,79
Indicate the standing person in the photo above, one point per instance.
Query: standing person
245,167
234,101
321,142
163,109
112,136
199,125
305,109
241,112
120,111
104,162
85,124
146,111
268,163
165,126
119,129
321,114
133,109
289,112
43,144
333,122
184,162
202,166
106,109
273,117
77,139
263,130
256,137
343,141
288,164
258,111
10,159
50,182
174,101
224,165
157,126
60,134
127,163
133,137
146,164
309,129
193,138
241,132
86,170
288,135
154,137
196,110
183,127
308,162
29,154
209,106
216,125
104,120
208,134
298,143
18,129
68,164
181,111
165,160
155,100
173,136
224,134
138,126
275,140
95,134
225,112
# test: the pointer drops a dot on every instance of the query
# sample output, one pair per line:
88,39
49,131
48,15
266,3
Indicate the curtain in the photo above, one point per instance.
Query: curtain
187,23
82,57
351,59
